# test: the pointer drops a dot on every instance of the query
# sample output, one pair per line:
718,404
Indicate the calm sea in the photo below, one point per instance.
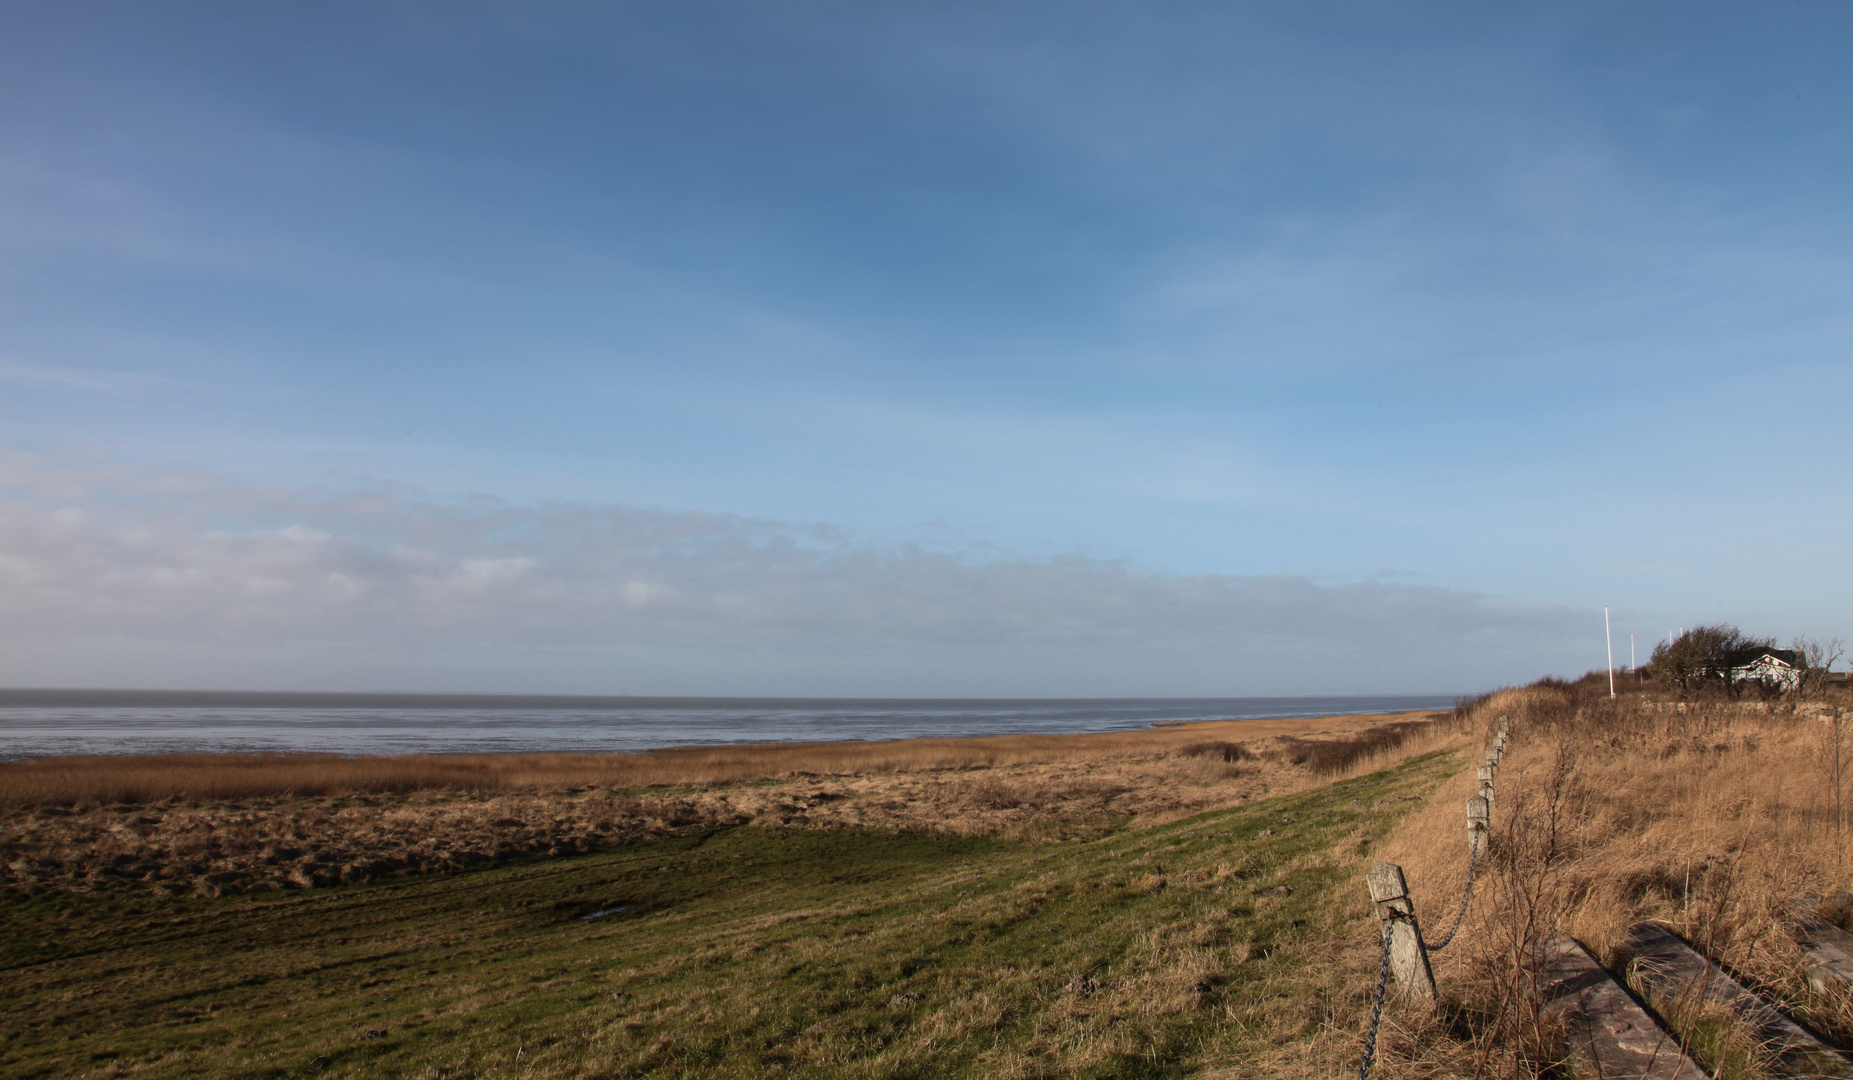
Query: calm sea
48,722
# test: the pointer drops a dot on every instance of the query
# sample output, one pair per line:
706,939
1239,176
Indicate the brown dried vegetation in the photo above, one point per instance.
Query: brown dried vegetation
226,823
1712,817
198,777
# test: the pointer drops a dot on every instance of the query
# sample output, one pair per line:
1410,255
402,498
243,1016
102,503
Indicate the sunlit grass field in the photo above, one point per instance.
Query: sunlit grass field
1203,944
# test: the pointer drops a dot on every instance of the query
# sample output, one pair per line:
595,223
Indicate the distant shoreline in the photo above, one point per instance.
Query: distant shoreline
1248,727
1159,735
49,697
85,723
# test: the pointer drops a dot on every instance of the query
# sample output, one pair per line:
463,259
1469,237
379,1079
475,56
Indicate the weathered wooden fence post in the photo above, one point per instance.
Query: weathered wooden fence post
1408,959
1479,819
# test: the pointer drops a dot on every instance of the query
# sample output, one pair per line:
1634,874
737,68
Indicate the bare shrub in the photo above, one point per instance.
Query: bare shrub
1222,751
1326,757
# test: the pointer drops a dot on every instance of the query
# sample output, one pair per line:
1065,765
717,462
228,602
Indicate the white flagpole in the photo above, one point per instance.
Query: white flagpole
1630,654
1610,638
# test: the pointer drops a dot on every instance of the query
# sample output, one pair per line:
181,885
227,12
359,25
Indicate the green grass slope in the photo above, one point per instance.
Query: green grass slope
1150,952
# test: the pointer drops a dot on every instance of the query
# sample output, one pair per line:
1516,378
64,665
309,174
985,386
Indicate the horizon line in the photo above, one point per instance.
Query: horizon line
76,697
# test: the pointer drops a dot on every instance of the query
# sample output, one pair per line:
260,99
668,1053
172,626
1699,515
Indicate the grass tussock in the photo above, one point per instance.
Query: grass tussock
1712,817
1220,751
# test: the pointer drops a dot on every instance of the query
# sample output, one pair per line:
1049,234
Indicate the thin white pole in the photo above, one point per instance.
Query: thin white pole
1630,654
1610,638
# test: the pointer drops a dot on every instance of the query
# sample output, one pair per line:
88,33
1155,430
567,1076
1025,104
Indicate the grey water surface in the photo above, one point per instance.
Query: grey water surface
42,723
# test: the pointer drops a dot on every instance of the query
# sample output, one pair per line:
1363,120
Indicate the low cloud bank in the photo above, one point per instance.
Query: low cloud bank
127,576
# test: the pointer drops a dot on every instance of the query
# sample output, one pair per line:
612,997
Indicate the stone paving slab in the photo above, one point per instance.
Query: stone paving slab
1828,951
1609,1035
1674,977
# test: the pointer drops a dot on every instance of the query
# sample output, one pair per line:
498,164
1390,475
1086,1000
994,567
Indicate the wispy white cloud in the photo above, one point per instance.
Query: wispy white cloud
88,553
78,380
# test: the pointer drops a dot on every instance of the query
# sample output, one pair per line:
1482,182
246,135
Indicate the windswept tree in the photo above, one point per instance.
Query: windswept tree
1817,659
1704,656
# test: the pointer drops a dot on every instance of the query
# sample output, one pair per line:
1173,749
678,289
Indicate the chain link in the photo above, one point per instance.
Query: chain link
1473,866
1383,966
1376,1008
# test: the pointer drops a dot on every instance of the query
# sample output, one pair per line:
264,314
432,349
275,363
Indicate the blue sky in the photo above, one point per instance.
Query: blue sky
1463,320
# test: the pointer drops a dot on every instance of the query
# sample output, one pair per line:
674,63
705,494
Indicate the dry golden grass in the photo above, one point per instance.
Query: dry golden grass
1711,817
232,823
158,777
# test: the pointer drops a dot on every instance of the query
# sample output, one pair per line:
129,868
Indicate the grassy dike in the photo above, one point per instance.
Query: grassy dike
1206,944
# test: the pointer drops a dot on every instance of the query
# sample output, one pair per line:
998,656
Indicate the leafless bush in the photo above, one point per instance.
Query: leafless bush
1325,757
1224,751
